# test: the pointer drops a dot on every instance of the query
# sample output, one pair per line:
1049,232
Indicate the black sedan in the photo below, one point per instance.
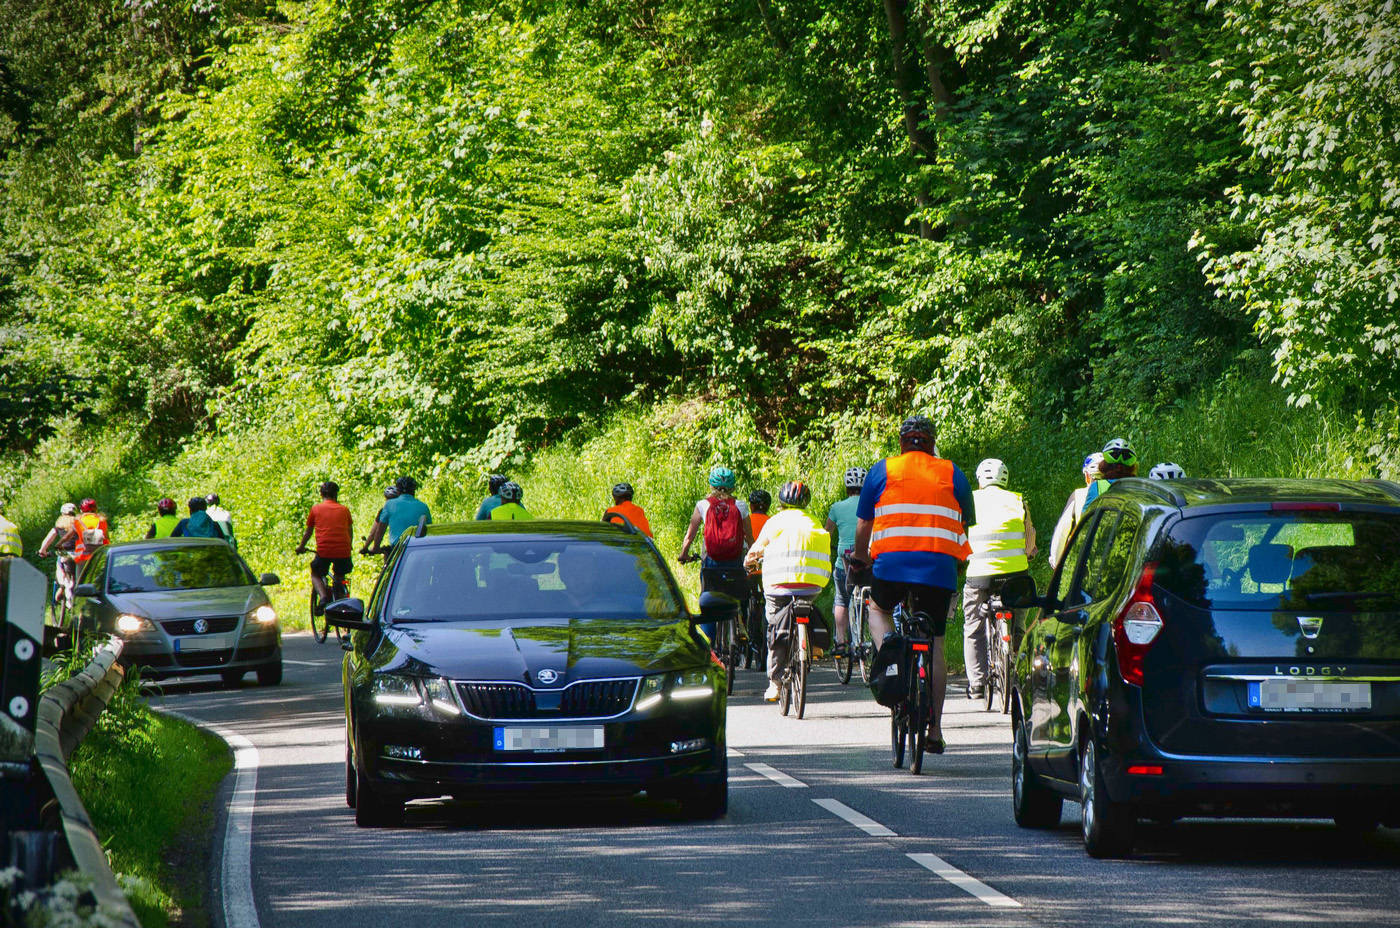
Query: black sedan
522,657
1215,648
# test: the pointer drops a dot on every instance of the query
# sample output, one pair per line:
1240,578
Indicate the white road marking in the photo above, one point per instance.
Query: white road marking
964,882
734,753
863,822
304,663
777,776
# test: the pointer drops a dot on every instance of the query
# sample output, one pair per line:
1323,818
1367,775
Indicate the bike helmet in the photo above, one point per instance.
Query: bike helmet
855,478
166,506
407,486
760,500
1091,464
212,499
721,478
88,505
1167,471
917,432
68,509
1119,452
622,491
511,492
795,494
391,491
992,472
495,482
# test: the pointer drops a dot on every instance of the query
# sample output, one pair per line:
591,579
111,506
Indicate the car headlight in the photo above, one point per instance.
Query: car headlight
650,692
692,684
129,624
440,696
265,615
395,692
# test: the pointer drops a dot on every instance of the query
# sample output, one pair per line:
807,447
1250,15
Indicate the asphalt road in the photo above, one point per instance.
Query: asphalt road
787,853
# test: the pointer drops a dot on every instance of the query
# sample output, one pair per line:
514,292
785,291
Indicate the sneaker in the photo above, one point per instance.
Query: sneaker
976,692
771,694
841,649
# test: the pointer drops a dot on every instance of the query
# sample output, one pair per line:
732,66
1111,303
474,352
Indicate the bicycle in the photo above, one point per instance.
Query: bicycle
61,595
860,646
726,645
340,589
792,688
756,618
909,722
999,656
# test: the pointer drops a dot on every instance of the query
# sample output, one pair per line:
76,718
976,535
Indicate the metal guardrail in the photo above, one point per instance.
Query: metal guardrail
67,712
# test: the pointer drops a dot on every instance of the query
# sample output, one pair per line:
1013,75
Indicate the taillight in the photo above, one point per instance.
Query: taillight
1136,627
1305,507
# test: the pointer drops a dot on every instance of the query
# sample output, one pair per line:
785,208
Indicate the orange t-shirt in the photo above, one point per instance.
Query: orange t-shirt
756,522
633,513
333,529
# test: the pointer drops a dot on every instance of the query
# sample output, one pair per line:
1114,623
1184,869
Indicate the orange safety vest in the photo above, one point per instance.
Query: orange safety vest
918,510
84,523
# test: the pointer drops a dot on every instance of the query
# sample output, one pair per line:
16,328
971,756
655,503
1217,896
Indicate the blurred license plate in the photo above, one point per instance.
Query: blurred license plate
203,643
1309,696
549,739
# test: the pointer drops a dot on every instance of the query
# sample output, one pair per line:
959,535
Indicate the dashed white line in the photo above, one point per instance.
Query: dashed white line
964,882
304,663
777,776
734,753
864,822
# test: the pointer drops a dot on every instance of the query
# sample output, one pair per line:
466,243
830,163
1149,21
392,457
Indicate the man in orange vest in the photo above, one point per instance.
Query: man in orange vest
623,506
911,529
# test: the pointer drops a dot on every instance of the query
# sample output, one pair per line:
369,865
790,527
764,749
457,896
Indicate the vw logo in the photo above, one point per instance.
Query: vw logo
201,626
547,677
1310,625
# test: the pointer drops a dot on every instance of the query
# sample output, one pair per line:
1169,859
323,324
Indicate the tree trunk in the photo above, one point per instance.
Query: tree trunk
896,15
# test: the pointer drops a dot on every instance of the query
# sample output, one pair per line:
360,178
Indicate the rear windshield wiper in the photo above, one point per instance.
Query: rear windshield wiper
1358,595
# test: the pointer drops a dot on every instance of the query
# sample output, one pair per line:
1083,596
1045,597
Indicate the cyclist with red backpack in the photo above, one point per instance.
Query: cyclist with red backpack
722,522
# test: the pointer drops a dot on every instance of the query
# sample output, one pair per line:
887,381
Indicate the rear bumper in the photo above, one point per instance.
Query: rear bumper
1244,786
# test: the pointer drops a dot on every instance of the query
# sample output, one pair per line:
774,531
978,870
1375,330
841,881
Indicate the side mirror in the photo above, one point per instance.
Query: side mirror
348,614
716,607
269,580
87,590
1019,592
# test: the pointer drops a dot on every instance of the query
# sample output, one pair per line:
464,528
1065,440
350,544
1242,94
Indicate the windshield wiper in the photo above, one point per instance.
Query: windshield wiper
1357,595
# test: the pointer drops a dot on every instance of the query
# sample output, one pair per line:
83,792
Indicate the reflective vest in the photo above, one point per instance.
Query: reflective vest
165,525
507,511
92,534
798,551
998,540
634,514
918,510
10,542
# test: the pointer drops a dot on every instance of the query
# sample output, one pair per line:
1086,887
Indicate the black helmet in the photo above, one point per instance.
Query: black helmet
621,492
495,482
917,432
407,486
197,504
795,494
391,491
760,500
511,492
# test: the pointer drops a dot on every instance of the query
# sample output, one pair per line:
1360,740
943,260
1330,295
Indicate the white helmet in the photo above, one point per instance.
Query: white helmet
855,478
992,471
68,509
1166,471
1091,464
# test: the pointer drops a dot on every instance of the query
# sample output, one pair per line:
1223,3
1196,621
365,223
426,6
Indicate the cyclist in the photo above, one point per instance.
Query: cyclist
64,572
334,528
1003,543
494,484
11,545
511,495
375,538
841,526
197,524
89,532
1119,461
623,506
404,511
1166,471
912,534
725,521
759,503
1069,517
222,518
796,556
166,519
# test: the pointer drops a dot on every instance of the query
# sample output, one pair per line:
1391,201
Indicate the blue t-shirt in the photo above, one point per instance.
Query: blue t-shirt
843,516
400,514
483,512
927,567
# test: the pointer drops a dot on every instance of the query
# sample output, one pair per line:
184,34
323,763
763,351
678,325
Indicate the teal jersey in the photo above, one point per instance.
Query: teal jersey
843,516
401,514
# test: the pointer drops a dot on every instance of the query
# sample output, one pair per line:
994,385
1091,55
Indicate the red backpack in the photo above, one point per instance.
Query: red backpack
724,530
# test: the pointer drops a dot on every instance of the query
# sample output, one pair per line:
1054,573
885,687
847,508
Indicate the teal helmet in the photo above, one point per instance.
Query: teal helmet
722,478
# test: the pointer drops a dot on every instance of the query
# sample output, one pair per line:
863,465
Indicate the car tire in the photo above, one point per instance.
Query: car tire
708,798
1033,804
351,781
270,674
373,808
1109,827
232,678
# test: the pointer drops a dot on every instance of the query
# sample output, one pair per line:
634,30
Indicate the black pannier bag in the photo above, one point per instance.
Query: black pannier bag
889,673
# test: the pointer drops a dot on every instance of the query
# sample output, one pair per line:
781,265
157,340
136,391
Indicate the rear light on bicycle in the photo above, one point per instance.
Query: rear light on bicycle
1136,628
1004,616
802,619
918,646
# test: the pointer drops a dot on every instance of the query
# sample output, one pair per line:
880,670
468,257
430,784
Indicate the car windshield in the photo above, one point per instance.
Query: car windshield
193,567
1319,561
495,580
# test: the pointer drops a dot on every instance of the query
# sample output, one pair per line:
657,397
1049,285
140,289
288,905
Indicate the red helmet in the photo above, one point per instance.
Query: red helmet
88,505
166,506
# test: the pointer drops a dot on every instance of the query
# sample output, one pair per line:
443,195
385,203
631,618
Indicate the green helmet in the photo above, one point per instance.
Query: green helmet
722,478
1118,452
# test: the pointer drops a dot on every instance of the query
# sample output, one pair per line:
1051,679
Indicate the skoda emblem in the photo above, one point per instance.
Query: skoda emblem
201,626
547,677
1310,624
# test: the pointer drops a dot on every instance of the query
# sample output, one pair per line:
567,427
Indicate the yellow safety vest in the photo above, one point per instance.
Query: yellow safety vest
10,542
998,539
510,511
798,551
165,525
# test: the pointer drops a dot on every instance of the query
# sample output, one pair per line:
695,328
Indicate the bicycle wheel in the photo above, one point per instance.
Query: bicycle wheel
319,632
758,634
799,672
843,664
1005,673
993,665
898,729
729,654
860,631
784,696
919,706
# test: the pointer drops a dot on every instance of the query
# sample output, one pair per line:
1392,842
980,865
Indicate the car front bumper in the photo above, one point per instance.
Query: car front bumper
159,659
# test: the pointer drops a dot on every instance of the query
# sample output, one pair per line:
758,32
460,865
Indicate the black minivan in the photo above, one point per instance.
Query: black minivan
1214,648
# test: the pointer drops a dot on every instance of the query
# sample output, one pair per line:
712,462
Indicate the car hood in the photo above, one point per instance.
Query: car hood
573,649
183,604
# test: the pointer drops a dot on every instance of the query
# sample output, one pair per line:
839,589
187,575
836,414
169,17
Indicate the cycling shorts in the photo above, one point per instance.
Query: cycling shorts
320,566
932,601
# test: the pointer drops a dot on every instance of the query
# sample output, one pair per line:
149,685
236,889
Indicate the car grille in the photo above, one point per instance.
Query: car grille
587,699
221,623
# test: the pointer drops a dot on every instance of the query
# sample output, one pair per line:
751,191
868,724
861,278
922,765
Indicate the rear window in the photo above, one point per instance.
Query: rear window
1322,561
539,578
